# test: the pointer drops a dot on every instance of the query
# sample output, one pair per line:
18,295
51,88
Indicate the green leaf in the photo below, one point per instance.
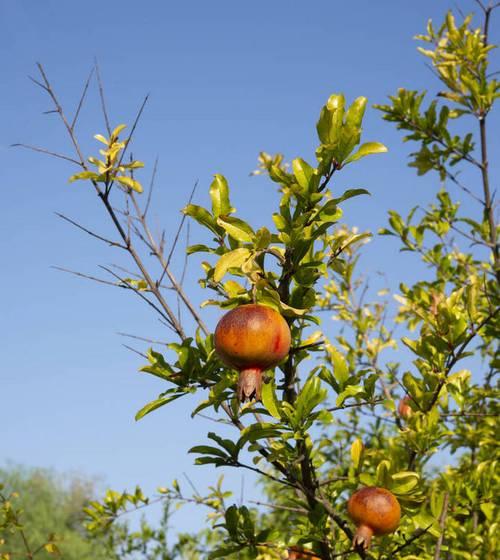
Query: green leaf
351,391
350,193
219,193
259,430
102,139
357,448
340,368
117,130
311,395
170,396
383,473
208,450
303,172
203,217
225,551
331,119
233,259
129,182
132,165
355,113
83,175
236,228
330,212
198,248
262,238
366,150
52,548
404,482
270,400
157,365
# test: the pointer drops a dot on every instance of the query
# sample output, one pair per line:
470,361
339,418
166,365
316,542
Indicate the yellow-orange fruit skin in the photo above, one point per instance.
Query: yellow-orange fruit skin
252,338
375,511
404,408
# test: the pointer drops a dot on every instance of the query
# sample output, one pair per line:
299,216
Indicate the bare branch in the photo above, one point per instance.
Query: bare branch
276,506
142,338
151,187
88,277
141,295
416,535
453,177
159,255
470,414
82,99
263,473
355,405
44,151
135,351
177,234
97,236
52,95
101,96
38,83
134,126
482,6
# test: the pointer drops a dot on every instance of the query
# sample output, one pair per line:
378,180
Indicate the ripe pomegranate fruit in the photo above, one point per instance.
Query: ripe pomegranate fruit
375,511
404,408
252,338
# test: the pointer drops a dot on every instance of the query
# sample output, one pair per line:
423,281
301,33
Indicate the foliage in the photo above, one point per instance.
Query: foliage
328,421
42,517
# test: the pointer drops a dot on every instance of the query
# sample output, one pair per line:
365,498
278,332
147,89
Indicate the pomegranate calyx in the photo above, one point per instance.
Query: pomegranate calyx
250,384
362,538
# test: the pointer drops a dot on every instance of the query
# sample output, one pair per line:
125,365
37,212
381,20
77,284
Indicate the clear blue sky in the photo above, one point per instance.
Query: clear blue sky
227,79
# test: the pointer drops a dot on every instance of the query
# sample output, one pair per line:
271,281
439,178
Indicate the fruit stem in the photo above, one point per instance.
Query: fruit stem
362,538
250,384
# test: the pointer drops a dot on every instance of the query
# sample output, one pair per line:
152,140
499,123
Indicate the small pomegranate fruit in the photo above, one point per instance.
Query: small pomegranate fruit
375,511
404,408
252,338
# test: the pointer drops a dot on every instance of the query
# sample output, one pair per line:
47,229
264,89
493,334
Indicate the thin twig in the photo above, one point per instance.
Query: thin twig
276,506
159,255
52,95
38,83
151,187
142,338
262,473
460,185
140,294
132,130
97,236
177,234
442,523
416,535
135,351
82,99
470,414
488,206
44,151
355,405
101,96
135,275
93,278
